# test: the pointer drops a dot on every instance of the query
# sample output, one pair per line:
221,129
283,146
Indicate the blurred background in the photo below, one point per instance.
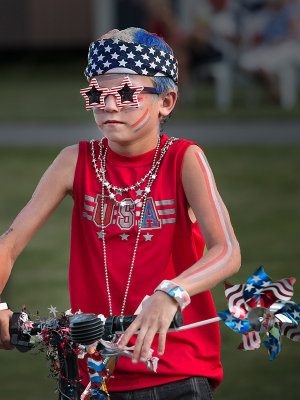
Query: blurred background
239,67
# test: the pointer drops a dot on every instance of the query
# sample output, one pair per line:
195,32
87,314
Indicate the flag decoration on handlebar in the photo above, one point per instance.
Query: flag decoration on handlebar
262,306
99,374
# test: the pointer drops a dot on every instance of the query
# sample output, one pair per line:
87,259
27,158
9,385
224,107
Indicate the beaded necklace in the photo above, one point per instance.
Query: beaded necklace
151,176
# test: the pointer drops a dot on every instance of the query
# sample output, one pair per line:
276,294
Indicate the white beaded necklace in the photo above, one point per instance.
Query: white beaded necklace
151,175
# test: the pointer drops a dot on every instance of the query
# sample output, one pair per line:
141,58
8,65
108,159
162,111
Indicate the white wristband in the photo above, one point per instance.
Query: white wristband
178,293
3,306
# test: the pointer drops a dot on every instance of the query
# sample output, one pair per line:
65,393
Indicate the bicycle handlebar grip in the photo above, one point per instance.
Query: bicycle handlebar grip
86,328
121,323
18,339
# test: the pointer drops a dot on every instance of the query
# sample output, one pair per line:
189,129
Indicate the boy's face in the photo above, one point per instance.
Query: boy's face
123,123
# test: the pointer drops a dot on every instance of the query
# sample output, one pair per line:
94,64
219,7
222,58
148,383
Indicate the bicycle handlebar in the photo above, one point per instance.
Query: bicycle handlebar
85,329
66,333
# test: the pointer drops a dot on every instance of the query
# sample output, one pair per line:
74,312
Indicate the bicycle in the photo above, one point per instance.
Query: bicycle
266,310
69,337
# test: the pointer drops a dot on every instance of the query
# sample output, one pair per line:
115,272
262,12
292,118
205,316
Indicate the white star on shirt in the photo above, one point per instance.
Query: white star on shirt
99,71
145,56
124,236
157,59
138,47
100,58
153,65
167,62
162,53
123,63
115,55
94,66
95,51
100,235
107,48
164,68
144,71
123,47
139,192
151,50
148,237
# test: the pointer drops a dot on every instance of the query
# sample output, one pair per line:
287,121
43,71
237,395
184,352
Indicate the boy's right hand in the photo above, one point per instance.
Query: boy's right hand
5,317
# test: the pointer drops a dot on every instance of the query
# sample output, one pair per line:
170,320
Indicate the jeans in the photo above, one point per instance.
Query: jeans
195,388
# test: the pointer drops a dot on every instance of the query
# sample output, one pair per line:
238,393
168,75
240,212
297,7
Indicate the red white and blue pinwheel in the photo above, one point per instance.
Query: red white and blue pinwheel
262,306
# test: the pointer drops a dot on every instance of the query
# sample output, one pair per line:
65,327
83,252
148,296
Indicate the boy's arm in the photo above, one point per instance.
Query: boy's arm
55,184
221,260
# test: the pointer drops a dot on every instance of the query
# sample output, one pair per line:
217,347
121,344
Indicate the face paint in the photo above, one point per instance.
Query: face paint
140,123
126,94
218,262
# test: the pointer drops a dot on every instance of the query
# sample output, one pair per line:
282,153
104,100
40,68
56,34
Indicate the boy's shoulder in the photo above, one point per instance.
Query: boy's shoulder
70,152
67,158
186,145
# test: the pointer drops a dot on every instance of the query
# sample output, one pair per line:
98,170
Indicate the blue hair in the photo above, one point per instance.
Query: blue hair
162,83
151,40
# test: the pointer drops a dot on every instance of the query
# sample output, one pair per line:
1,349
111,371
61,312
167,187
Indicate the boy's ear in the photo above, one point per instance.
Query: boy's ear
168,102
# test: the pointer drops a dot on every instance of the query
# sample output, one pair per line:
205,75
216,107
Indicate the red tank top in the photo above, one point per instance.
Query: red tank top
169,244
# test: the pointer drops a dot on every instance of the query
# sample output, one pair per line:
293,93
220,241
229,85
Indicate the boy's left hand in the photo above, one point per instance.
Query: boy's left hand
156,316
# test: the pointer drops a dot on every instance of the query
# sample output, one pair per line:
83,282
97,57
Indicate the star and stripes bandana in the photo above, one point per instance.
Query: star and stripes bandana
113,55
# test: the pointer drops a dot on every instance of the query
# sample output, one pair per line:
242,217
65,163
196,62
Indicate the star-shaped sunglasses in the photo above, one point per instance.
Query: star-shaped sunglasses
126,94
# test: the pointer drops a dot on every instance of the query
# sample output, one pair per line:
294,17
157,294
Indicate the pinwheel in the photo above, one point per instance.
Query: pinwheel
262,306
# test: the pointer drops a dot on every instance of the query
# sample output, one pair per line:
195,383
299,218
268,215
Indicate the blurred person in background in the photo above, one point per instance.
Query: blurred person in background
212,45
274,53
214,32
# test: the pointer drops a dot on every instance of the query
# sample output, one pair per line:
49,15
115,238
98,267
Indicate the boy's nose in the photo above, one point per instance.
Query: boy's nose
110,103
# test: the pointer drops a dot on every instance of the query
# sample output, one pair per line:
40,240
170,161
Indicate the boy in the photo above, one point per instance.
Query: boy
144,206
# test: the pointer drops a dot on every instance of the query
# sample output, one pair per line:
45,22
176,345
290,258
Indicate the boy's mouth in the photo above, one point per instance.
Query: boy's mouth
113,121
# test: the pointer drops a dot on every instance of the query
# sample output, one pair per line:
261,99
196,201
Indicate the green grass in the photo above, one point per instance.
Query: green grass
260,186
43,92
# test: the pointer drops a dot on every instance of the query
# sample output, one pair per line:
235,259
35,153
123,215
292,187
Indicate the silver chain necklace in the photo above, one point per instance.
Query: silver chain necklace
152,174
